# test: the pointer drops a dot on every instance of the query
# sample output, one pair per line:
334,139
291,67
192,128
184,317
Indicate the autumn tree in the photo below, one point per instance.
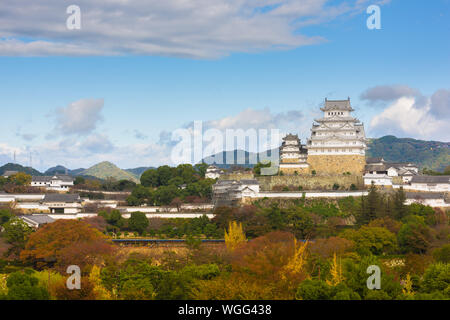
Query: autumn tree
235,236
50,244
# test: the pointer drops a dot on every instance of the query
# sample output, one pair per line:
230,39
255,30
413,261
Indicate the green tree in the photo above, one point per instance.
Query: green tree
24,286
5,215
414,235
16,233
373,240
149,178
400,209
437,279
138,222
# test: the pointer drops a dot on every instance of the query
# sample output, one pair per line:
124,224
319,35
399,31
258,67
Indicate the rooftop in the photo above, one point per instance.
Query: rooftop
430,179
57,197
343,105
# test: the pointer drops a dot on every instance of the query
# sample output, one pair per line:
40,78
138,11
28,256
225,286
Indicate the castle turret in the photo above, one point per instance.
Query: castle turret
292,155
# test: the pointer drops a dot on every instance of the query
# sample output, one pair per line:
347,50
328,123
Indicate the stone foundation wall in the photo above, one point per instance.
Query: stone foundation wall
237,176
310,182
337,164
291,171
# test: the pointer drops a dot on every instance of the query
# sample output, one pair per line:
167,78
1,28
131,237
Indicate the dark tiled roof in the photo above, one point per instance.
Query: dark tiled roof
337,105
291,137
38,219
374,160
62,177
57,197
424,195
430,179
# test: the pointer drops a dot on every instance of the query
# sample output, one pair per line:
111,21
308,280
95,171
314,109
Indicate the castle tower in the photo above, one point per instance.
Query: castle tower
293,156
338,143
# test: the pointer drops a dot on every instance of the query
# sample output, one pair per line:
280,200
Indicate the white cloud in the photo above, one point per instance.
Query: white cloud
415,117
80,117
187,28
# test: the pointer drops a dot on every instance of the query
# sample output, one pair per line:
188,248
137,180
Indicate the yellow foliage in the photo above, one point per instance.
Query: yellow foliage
336,272
235,235
3,287
49,279
100,292
296,263
407,286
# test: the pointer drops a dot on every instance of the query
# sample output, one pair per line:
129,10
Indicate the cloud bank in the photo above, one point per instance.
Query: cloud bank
179,28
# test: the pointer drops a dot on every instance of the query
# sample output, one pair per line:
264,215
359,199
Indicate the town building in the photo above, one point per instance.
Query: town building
337,144
432,199
55,183
231,192
36,221
213,172
430,183
293,156
62,203
381,168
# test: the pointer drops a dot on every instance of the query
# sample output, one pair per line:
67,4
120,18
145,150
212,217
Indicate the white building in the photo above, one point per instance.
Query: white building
213,172
337,132
62,203
430,183
379,179
379,167
7,174
432,199
56,182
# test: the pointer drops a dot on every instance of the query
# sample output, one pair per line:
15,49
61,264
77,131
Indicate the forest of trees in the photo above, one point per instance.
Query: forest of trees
300,249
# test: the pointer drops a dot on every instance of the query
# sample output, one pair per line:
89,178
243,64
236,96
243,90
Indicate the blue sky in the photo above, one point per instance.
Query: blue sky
402,69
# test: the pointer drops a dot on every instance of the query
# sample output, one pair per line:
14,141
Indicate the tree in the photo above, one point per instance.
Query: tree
373,240
5,215
16,233
24,286
442,254
415,236
45,246
138,222
20,179
149,178
336,272
370,206
437,278
200,168
235,236
400,210
79,180
314,290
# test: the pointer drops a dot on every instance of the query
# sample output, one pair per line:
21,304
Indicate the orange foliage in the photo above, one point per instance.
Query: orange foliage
50,244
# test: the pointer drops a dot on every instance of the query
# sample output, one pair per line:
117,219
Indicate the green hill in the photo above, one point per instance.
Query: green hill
19,168
433,155
137,172
104,170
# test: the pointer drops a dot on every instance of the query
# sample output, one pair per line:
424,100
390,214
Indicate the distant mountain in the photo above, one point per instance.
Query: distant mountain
433,155
137,172
19,168
57,170
427,154
231,157
107,169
